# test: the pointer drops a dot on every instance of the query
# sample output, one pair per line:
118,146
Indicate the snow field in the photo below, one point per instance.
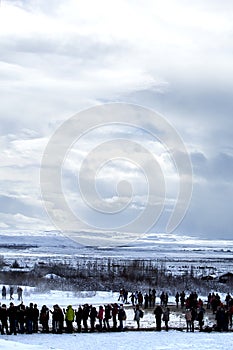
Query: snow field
172,340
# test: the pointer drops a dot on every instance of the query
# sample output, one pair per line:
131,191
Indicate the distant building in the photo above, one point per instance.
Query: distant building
208,278
226,278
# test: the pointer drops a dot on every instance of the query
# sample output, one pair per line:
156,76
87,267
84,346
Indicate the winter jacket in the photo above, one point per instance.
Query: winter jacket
137,315
70,314
101,314
188,315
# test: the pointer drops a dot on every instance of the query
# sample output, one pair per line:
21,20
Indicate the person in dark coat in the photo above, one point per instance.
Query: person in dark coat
85,316
20,293
35,320
11,293
107,316
21,317
150,297
121,317
3,319
177,297
79,317
93,316
220,318
158,317
194,317
146,301
12,314
3,292
153,297
114,315
44,319
182,299
29,318
200,318
132,298
57,319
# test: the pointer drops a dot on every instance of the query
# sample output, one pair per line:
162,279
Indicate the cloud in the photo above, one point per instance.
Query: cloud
58,57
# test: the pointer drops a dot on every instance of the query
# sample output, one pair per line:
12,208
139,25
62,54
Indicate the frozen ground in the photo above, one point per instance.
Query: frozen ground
123,341
33,248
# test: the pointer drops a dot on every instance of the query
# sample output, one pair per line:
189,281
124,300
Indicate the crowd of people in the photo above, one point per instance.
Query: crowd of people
110,317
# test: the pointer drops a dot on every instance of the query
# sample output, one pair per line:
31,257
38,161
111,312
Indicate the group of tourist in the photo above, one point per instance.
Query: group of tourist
19,291
110,317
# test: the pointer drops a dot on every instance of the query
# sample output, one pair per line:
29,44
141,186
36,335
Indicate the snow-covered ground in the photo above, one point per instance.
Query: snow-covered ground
65,298
124,340
176,253
31,249
120,341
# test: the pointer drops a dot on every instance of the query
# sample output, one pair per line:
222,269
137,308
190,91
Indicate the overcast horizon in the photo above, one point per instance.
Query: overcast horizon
172,57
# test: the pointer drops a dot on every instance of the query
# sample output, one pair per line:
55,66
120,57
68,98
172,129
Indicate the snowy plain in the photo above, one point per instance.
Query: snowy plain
171,340
32,248
128,340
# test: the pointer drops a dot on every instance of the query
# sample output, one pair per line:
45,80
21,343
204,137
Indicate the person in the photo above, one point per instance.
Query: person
121,294
44,319
132,298
194,317
153,297
69,317
11,293
107,316
121,317
79,316
140,298
12,314
93,316
3,292
150,298
100,317
230,315
85,315
177,297
3,319
29,313
166,300
209,300
114,315
21,317
162,298
158,316
125,300
58,319
35,320
20,293
227,299
146,299
166,316
200,317
182,299
188,318
138,314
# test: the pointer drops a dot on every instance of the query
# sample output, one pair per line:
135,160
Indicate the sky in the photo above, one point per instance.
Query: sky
59,58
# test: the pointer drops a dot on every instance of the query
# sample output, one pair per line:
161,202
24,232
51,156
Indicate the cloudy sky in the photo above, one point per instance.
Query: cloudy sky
60,57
